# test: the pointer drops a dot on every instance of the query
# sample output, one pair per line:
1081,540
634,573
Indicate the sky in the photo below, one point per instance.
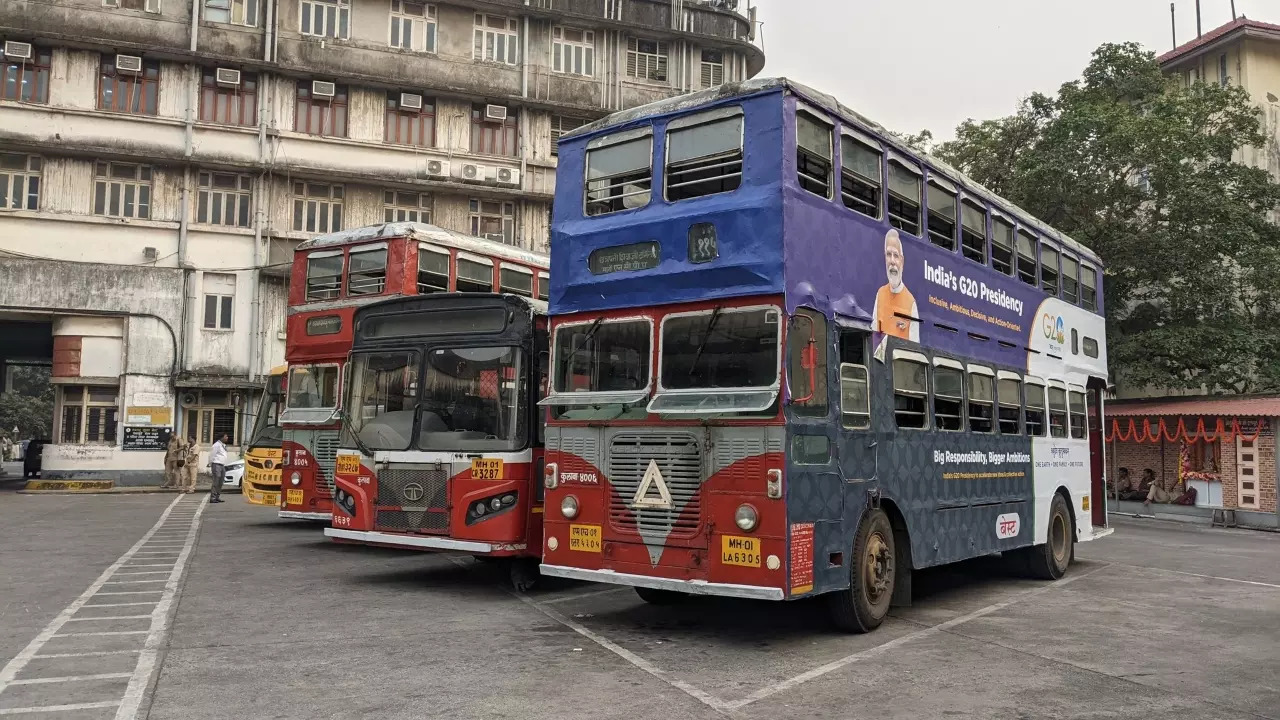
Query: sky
930,64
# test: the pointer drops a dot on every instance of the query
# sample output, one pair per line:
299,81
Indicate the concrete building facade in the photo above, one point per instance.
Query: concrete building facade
160,159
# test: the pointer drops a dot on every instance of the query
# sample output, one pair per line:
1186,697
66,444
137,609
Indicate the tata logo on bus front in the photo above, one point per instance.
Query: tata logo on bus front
653,492
1007,526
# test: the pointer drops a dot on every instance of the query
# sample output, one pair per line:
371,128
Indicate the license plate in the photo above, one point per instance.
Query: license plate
738,550
349,464
269,498
486,469
293,497
584,538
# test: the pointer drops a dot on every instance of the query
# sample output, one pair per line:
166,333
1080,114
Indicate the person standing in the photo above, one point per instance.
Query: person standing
217,467
174,451
190,466
6,448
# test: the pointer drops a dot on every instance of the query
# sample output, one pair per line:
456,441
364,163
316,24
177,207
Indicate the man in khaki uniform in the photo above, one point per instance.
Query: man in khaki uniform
191,466
174,450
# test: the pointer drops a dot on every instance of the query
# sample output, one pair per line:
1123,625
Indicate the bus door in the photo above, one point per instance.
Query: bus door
1097,454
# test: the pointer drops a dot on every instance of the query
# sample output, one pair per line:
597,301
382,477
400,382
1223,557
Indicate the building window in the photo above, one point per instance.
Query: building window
904,198
413,26
367,271
573,51
19,181
712,68
1223,79
228,104
561,124
219,300
407,125
813,154
88,414
942,216
406,206
211,416
497,39
27,80
494,220
647,59
224,199
128,92
493,137
122,190
317,207
433,270
324,275
321,115
326,18
236,12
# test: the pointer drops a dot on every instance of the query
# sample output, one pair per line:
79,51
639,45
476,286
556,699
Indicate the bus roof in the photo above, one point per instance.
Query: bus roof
427,233
760,86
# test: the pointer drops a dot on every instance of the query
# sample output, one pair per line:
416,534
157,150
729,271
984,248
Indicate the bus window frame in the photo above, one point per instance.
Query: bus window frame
342,275
687,122
773,389
946,187
916,358
1020,232
818,118
856,138
450,271
597,397
978,203
603,143
993,403
354,250
1019,402
519,270
912,168
478,260
1036,381
961,401
1000,218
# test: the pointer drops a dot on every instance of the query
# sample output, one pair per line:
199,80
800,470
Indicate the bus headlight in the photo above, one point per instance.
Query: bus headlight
569,507
295,478
746,518
550,476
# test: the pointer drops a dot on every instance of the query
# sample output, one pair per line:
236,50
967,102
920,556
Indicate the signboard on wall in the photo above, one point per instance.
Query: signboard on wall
144,415
150,438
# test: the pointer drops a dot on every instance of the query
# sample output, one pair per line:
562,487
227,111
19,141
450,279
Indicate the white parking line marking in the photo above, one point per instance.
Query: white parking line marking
127,706
58,708
148,602
112,617
70,678
138,565
1206,577
146,572
821,670
580,596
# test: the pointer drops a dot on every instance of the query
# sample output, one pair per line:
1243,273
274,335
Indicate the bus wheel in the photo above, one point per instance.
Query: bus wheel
660,597
524,574
864,605
1050,560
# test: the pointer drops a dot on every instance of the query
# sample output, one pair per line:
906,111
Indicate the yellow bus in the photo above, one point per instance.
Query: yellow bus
263,457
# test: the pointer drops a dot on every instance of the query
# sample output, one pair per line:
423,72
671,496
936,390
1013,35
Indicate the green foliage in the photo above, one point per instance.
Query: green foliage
1146,173
28,405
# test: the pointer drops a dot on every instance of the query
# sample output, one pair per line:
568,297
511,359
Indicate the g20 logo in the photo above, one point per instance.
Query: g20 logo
1054,328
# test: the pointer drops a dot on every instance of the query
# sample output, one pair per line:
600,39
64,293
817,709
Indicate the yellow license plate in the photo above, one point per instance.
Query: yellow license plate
738,550
293,497
349,464
584,538
270,498
487,469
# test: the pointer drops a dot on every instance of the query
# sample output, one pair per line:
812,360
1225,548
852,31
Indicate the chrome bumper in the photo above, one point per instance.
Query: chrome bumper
412,541
692,587
297,515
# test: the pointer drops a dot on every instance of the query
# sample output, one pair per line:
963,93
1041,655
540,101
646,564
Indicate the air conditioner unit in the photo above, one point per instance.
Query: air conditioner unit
17,50
189,399
496,113
409,101
507,176
496,237
228,77
470,172
130,64
322,89
438,168
151,6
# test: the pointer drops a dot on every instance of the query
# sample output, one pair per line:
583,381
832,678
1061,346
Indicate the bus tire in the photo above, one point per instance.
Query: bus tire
524,574
654,596
863,606
1050,560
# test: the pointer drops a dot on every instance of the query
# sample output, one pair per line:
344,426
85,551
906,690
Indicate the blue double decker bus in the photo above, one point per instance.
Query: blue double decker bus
791,356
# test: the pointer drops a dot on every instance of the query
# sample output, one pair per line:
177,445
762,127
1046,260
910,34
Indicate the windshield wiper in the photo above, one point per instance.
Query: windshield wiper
711,325
364,449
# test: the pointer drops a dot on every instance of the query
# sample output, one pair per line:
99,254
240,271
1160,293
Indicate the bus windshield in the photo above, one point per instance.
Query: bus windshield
721,360
601,363
381,399
313,387
266,426
473,399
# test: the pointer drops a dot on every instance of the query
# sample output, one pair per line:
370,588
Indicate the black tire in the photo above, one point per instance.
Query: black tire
524,574
863,606
1050,560
654,596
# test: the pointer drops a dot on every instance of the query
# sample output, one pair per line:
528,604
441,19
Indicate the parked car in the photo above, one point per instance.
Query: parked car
233,475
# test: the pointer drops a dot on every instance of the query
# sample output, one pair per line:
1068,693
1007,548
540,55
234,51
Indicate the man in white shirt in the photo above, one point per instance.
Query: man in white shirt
218,466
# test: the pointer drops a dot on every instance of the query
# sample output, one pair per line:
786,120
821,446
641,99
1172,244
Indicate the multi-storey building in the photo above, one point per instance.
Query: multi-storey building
159,160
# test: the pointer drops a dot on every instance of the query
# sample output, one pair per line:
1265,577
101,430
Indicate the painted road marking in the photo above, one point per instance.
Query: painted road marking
582,595
1206,577
127,705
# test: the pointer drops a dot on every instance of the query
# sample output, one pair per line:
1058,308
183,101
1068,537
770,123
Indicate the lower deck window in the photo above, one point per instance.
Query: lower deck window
910,393
1010,395
1057,412
1079,424
981,402
1035,416
948,398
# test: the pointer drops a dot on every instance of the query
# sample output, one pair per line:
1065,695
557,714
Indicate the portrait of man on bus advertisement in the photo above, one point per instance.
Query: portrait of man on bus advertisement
895,312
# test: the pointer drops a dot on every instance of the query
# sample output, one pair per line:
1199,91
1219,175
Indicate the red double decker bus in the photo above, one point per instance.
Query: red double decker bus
332,276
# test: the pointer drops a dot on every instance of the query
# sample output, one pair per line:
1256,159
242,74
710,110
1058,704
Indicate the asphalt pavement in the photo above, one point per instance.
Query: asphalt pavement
268,619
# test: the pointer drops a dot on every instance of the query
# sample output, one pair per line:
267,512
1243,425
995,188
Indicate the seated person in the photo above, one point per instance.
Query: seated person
1131,489
1161,491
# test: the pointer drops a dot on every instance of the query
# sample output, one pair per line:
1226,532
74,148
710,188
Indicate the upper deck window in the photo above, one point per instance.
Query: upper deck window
904,196
813,154
544,286
313,387
1002,245
1026,257
942,215
324,275
704,154
861,175
475,275
619,172
1070,283
1089,288
367,271
973,231
515,280
1048,268
433,270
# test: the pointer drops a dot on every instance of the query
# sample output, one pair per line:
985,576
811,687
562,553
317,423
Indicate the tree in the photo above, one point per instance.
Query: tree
1143,171
29,404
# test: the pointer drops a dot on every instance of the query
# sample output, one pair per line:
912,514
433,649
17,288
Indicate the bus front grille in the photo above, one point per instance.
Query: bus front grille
413,500
679,460
326,455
